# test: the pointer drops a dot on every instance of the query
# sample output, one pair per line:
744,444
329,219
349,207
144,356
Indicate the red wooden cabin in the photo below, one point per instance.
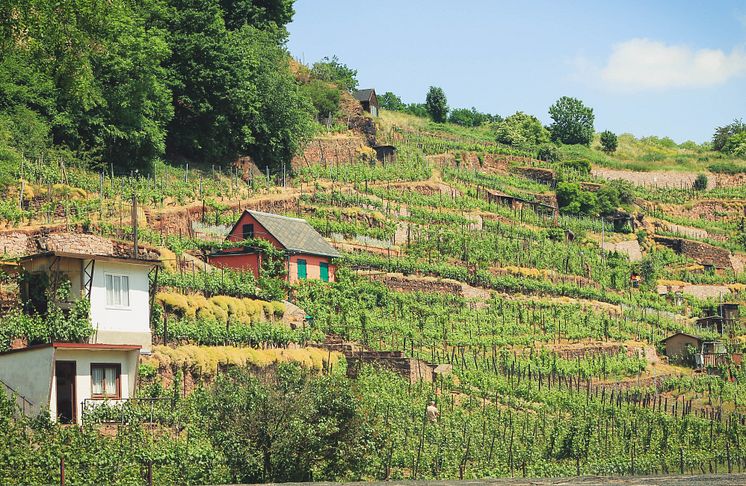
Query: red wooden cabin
307,254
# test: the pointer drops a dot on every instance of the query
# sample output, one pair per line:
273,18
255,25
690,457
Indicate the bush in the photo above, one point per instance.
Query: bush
522,131
549,152
582,166
700,183
726,168
573,200
609,141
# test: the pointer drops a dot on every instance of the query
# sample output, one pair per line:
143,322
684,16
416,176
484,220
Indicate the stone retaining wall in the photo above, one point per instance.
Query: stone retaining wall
702,253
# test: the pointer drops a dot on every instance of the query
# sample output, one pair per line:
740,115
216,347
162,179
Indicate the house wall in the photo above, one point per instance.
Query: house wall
676,346
241,261
259,231
122,325
128,360
313,269
29,373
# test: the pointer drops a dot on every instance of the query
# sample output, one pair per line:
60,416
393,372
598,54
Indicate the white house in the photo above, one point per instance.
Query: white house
67,378
118,289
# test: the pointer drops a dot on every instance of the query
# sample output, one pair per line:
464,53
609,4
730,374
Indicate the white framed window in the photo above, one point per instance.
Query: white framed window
105,380
117,290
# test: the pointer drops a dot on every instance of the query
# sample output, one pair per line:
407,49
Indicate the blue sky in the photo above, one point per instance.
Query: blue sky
675,68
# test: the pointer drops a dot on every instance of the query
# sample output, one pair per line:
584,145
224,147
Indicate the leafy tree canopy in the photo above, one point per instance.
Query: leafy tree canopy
471,117
723,134
436,104
522,131
609,141
390,101
572,122
334,71
127,82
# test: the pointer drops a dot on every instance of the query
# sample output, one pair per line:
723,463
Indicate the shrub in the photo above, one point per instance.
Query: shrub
609,141
549,152
726,168
573,200
700,183
581,166
522,131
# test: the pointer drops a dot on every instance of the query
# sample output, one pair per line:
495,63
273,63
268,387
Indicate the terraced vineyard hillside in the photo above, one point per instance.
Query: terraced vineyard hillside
459,252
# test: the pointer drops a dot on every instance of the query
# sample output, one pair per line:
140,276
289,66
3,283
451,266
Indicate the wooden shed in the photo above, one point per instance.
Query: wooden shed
675,345
368,100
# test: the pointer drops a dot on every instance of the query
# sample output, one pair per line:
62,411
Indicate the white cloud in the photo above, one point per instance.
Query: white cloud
644,64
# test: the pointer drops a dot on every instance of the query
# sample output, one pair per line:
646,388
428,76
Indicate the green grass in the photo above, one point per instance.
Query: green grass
652,153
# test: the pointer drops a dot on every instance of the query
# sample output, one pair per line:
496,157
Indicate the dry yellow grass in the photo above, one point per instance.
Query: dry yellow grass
208,359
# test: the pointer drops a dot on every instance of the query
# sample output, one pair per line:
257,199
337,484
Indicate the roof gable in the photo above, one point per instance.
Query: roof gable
295,234
364,94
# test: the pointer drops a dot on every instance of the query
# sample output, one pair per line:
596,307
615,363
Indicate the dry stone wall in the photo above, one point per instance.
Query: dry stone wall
702,253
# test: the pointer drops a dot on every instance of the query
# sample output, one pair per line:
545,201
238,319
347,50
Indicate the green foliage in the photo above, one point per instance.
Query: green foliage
723,134
233,91
700,183
124,85
334,71
390,101
264,15
609,141
54,324
522,131
736,145
470,117
582,166
574,200
325,98
726,168
436,104
572,121
548,152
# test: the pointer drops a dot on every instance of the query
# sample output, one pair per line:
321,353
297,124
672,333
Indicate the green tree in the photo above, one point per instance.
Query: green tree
417,109
262,14
324,96
389,101
609,141
334,71
736,145
724,133
470,117
233,90
436,104
572,121
574,200
522,131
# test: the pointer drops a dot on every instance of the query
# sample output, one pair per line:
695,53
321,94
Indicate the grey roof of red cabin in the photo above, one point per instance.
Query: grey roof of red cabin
295,234
363,94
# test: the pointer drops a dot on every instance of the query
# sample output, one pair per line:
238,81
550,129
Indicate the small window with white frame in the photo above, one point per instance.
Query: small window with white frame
105,381
117,290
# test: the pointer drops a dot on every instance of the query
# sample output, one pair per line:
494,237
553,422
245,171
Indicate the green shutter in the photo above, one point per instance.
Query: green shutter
324,269
301,269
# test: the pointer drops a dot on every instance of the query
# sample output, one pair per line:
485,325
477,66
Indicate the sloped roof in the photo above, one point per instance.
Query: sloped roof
295,234
680,334
363,94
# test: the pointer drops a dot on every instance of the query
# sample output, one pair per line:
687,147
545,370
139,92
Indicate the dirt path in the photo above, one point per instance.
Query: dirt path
652,179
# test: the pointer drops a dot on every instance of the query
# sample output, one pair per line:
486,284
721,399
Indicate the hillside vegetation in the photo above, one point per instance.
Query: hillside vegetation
498,248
